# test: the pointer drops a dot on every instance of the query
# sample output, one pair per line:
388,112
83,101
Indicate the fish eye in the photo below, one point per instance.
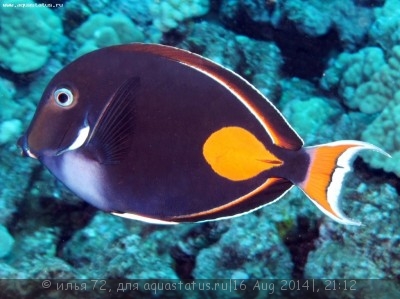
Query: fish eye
63,97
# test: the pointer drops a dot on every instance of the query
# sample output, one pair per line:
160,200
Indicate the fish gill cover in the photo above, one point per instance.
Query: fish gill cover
332,67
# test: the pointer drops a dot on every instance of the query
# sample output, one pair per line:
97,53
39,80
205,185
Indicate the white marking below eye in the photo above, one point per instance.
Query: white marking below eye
80,140
29,153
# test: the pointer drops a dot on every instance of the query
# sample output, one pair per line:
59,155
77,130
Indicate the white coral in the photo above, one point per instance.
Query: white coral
369,81
101,31
27,35
385,31
385,133
365,80
169,13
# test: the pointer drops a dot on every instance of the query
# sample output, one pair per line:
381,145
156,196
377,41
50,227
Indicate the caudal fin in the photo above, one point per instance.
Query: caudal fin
328,166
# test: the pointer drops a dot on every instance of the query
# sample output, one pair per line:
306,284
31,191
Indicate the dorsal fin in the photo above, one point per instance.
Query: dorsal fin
113,130
281,133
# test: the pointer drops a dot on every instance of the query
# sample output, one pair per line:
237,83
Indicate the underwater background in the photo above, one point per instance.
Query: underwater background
332,67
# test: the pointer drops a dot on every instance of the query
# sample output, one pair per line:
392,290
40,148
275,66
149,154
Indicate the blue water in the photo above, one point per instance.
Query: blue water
331,67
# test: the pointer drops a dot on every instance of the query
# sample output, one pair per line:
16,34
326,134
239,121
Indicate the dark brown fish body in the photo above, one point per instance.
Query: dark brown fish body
160,134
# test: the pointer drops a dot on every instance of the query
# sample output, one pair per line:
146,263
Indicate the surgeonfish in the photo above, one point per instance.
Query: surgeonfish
159,134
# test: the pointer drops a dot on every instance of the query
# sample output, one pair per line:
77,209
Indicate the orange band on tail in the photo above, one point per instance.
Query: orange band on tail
328,167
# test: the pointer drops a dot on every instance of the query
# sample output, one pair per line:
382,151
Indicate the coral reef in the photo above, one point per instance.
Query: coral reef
354,252
258,61
237,251
384,131
8,105
168,14
316,18
385,30
365,80
368,80
9,129
351,75
7,242
316,117
129,255
313,18
311,117
28,35
102,30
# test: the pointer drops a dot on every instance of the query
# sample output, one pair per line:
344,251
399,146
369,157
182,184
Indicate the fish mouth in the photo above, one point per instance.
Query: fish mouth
23,145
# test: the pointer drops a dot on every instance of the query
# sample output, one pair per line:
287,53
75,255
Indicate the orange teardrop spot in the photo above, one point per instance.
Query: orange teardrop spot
236,154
